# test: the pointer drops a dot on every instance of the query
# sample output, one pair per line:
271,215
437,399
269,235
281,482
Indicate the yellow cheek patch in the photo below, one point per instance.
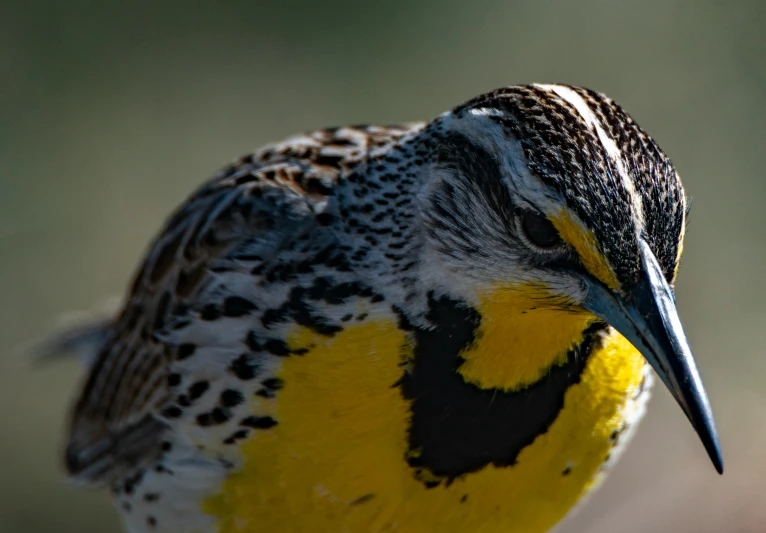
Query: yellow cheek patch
522,335
680,251
586,247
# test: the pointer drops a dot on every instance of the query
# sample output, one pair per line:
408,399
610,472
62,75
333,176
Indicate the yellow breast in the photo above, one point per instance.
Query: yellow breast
339,459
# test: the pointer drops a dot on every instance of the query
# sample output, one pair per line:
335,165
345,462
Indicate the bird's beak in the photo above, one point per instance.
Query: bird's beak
647,317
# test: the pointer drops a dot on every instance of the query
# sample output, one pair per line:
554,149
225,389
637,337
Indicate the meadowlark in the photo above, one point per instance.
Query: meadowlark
432,327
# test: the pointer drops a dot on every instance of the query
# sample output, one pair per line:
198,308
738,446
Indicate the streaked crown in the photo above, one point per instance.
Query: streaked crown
554,148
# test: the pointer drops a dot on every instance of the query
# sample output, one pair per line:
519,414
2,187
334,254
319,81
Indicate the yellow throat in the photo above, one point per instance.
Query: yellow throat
343,458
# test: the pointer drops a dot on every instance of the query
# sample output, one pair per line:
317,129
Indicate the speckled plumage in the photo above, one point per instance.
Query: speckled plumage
339,227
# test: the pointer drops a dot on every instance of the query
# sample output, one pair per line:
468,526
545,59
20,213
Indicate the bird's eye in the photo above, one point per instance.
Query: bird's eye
539,230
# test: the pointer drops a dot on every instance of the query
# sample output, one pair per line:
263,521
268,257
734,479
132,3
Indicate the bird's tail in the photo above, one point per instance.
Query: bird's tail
81,335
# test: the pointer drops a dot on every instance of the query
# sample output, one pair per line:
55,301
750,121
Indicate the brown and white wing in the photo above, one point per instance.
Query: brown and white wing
259,205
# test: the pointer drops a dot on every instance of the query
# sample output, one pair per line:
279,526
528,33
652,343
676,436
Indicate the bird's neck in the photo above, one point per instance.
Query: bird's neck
522,336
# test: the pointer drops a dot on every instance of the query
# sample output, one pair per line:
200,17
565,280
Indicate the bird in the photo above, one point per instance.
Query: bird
445,326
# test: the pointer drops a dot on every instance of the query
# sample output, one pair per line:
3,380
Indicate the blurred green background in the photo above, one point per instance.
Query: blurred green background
110,114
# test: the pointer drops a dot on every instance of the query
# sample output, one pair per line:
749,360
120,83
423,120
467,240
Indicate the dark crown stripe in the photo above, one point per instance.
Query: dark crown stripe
569,157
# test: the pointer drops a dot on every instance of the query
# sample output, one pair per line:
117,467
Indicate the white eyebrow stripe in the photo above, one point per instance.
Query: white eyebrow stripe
486,112
610,147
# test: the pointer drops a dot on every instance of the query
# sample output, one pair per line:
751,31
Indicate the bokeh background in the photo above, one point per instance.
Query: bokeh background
110,113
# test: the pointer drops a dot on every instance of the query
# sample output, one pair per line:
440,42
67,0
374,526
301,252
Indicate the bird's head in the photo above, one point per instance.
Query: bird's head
554,191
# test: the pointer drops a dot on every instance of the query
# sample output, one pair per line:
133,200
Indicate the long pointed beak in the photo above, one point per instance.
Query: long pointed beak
647,317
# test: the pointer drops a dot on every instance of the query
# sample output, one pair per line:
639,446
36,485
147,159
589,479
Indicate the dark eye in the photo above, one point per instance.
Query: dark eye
539,230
